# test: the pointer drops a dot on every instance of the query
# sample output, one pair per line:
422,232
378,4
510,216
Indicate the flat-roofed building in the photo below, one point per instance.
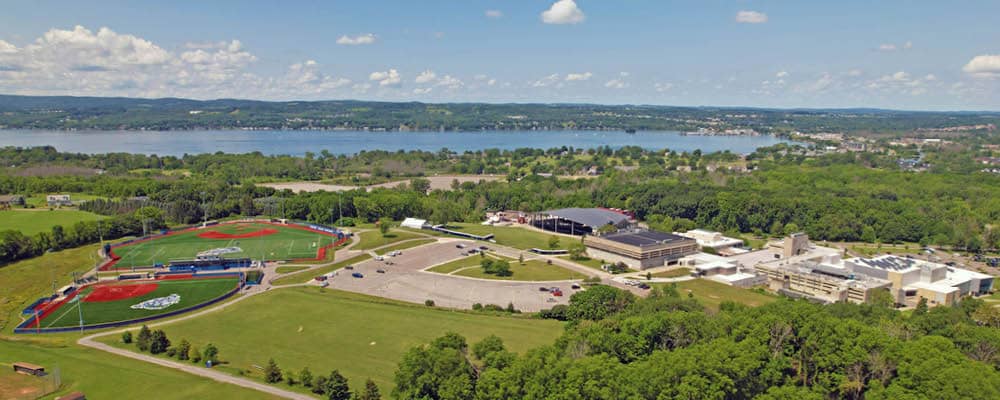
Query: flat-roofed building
713,240
819,281
721,269
640,249
913,279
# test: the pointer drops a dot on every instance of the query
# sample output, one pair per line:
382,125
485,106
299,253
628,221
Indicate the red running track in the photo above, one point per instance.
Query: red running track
119,292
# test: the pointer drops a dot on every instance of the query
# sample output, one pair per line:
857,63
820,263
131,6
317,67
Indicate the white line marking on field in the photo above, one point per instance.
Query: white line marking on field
77,304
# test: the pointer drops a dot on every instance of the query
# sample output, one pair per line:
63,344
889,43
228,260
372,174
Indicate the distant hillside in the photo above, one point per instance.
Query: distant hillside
112,113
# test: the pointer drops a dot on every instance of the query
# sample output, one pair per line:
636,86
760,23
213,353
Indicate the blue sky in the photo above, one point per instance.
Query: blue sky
889,54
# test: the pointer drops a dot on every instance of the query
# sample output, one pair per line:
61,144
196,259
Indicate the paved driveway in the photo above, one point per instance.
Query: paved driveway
405,280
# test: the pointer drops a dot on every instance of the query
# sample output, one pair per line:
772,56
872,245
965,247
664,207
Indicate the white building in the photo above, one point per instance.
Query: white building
715,240
414,223
721,269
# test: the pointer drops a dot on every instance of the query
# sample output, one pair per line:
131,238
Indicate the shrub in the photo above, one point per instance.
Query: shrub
127,337
429,303
477,307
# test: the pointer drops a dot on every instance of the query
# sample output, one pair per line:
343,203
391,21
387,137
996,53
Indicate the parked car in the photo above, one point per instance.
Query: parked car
320,278
483,248
349,267
357,275
557,293
379,258
381,271
460,246
643,286
543,289
575,286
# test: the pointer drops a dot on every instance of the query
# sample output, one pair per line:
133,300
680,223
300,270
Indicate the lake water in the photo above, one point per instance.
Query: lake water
178,143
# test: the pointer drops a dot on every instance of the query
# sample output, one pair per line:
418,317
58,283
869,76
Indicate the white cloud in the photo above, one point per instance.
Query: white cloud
425,77
855,72
420,91
579,76
7,48
546,81
494,14
908,45
663,87
900,76
781,74
563,12
890,47
450,82
984,66
491,82
887,47
358,40
386,78
751,17
821,84
616,84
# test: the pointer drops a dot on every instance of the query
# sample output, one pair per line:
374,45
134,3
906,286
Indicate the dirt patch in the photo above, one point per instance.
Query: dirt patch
220,235
119,292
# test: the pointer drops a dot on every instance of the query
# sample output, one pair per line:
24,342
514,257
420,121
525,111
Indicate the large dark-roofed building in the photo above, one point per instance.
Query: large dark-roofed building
580,221
640,249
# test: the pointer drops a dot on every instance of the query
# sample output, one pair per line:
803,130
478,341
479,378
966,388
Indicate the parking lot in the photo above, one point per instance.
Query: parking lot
405,280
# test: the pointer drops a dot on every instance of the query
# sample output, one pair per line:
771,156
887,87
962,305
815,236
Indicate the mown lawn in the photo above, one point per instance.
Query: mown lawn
373,239
674,273
407,245
523,239
532,270
455,265
327,329
285,270
30,222
712,294
25,281
586,262
102,375
303,276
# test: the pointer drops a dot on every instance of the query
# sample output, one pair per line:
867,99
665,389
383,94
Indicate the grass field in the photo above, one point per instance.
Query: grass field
711,294
105,376
674,273
286,270
30,222
192,292
325,329
523,239
25,281
532,270
586,262
455,265
15,386
374,239
39,200
306,275
406,245
288,243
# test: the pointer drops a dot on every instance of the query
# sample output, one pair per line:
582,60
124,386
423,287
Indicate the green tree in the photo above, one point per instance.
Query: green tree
306,377
183,350
439,371
319,385
868,234
921,308
598,302
127,337
576,251
336,387
158,342
272,373
211,354
370,392
791,228
553,242
194,354
144,338
384,225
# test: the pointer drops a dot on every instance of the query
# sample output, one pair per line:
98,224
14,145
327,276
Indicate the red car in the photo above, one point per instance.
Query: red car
557,293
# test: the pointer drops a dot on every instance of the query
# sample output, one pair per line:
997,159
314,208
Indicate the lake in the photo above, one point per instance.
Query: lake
297,143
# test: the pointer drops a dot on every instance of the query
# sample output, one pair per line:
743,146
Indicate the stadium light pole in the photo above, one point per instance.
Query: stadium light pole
79,308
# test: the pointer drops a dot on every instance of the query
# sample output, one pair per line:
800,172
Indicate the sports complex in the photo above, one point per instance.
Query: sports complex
175,272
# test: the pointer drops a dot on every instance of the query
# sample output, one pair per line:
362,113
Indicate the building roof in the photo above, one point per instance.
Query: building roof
592,217
644,238
888,263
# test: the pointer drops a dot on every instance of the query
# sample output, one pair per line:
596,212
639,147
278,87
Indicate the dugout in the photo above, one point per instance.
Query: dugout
29,369
210,264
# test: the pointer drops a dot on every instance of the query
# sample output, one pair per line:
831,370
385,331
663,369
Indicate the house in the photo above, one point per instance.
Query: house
58,200
11,200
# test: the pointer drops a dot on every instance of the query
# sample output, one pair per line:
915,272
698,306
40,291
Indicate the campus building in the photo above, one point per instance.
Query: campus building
715,241
58,200
640,249
913,279
824,281
721,269
581,221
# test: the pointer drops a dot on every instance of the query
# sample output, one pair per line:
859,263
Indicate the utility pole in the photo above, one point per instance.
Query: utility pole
204,210
79,308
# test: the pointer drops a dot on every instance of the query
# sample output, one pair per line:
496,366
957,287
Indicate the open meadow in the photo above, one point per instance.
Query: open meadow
30,222
361,336
25,281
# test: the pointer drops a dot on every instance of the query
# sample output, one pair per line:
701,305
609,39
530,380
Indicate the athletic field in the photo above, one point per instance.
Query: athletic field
256,240
112,302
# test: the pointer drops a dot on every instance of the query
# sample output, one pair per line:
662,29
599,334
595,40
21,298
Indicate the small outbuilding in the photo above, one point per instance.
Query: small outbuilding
29,369
415,223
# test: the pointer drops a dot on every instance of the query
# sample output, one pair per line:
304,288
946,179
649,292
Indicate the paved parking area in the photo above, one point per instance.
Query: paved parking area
405,280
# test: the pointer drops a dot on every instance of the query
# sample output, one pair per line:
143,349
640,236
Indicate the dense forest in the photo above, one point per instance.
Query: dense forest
666,346
181,114
838,197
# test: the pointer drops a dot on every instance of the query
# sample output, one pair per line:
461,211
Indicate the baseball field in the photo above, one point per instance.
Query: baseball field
123,301
253,240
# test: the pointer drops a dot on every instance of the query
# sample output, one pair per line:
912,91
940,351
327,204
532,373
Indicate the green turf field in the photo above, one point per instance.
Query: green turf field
325,329
24,281
288,243
102,375
374,238
192,292
30,222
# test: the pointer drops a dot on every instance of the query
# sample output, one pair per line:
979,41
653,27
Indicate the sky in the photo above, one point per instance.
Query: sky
918,55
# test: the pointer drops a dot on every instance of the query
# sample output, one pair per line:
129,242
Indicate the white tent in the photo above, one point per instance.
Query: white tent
414,223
